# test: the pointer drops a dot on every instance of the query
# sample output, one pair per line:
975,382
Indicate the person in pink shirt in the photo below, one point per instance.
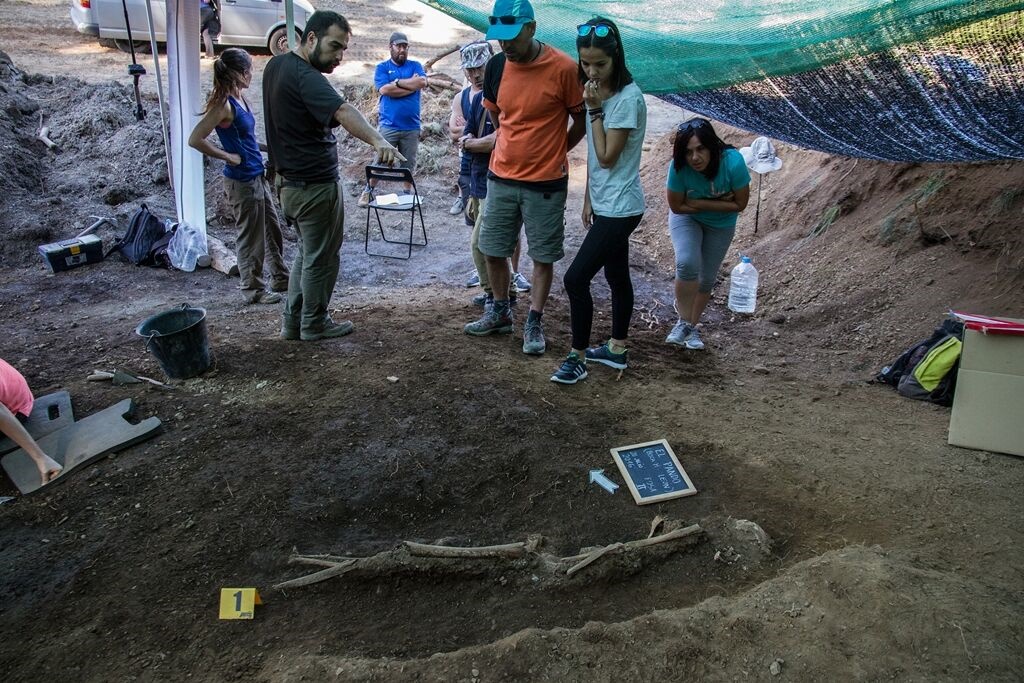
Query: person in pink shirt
15,405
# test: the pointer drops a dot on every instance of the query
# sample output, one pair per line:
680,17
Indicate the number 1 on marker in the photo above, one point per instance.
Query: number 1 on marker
238,603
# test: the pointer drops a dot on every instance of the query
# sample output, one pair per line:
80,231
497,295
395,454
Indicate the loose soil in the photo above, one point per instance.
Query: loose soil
891,554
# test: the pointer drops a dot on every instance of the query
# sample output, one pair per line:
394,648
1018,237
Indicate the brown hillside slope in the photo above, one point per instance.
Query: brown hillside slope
867,256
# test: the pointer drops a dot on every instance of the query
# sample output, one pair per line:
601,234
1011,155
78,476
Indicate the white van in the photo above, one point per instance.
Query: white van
244,23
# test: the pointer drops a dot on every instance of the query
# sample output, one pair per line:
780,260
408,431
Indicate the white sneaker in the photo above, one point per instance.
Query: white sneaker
679,333
520,283
693,340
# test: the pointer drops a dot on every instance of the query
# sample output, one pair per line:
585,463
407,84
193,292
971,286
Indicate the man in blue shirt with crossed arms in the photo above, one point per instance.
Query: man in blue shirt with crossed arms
399,81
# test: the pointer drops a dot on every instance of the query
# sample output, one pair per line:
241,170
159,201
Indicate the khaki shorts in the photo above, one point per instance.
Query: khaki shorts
508,208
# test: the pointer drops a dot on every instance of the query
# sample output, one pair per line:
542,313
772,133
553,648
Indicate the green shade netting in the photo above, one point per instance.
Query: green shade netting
910,80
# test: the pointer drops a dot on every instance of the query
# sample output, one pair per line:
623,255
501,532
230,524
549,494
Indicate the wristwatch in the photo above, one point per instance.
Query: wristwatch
396,83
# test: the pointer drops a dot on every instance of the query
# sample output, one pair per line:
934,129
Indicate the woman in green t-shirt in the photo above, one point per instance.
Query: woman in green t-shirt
708,185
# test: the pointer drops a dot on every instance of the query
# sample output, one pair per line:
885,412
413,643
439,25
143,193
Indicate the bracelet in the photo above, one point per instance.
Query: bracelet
596,117
595,110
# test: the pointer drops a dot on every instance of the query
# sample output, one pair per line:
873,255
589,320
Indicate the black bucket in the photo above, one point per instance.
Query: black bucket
178,340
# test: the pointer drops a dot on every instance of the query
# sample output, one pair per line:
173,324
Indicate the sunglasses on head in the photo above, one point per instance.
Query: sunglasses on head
693,124
599,30
506,19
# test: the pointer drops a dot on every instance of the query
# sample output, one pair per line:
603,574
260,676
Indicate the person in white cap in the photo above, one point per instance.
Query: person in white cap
399,81
473,132
473,57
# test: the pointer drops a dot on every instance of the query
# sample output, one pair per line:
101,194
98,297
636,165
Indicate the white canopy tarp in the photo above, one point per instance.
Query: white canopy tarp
184,104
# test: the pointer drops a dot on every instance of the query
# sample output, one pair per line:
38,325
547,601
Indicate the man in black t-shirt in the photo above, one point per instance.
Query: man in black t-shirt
301,109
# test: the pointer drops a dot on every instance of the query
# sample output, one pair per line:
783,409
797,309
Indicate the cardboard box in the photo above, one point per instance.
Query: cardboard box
68,254
988,407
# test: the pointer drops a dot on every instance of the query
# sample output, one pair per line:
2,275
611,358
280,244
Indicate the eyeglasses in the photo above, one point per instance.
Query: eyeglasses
693,124
506,19
600,30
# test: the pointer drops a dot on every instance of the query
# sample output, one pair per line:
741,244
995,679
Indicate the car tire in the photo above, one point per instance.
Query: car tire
126,46
278,43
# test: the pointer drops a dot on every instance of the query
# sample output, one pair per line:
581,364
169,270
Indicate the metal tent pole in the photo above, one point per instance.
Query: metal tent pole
160,93
757,211
289,20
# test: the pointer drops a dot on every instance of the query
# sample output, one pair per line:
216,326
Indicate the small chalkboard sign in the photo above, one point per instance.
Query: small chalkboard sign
652,472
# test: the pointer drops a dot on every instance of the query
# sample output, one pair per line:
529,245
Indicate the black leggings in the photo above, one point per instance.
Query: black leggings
605,246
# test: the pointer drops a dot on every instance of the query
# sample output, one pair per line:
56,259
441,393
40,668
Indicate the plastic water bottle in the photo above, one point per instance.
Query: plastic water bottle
743,287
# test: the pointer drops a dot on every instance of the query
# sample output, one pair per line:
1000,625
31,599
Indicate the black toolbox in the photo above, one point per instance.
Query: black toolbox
68,254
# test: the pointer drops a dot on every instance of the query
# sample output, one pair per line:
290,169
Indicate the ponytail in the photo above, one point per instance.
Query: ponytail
228,75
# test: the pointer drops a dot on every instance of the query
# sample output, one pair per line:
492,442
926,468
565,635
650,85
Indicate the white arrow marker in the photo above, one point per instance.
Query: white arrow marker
597,476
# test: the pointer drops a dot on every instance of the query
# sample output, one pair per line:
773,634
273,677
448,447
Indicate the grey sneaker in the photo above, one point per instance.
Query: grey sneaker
520,283
693,340
474,280
289,333
678,334
490,323
533,338
457,207
329,330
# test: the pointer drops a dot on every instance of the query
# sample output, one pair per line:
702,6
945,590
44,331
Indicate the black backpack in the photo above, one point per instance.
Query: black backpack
145,232
943,343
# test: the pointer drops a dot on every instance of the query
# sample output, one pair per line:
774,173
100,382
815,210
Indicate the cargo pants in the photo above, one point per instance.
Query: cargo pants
259,234
318,215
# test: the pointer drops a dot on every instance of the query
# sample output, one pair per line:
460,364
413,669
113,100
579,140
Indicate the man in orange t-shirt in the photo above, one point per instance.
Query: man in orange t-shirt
15,405
532,92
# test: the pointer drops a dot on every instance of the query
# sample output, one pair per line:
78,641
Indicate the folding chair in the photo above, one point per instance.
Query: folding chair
394,175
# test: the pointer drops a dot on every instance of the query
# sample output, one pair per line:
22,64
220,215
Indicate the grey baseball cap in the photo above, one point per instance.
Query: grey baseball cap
398,38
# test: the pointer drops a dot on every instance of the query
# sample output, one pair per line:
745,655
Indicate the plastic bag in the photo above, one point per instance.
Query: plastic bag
185,248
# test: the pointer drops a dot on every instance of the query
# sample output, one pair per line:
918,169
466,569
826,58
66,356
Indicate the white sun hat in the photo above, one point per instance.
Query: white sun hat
760,156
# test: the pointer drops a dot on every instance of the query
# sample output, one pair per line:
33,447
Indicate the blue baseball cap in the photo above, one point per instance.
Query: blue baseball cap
508,18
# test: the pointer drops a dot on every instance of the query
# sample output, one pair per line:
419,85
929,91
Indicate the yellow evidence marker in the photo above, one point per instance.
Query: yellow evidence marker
238,603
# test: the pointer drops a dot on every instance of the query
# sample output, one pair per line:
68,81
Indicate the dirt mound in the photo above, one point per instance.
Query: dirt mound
860,607
105,161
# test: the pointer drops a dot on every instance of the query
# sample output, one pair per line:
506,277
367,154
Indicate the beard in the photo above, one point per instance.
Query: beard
317,61
399,59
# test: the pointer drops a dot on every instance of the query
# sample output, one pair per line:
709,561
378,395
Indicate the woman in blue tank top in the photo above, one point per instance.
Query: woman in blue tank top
245,186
